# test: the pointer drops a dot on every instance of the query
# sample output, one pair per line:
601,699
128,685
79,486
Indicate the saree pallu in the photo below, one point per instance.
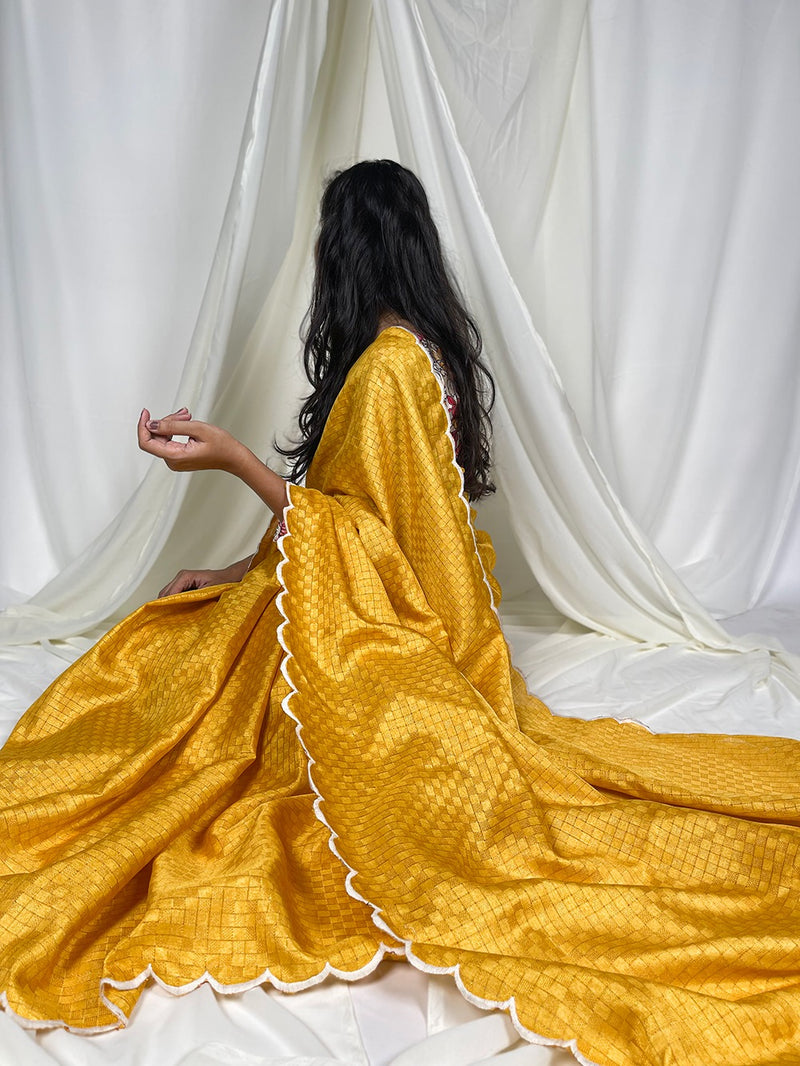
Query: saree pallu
334,759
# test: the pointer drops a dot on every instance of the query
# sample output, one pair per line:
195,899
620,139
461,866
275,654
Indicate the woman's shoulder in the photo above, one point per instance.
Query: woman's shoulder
396,341
397,354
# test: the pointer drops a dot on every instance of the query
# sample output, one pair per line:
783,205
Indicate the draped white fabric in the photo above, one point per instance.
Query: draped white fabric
621,177
638,165
616,183
60,410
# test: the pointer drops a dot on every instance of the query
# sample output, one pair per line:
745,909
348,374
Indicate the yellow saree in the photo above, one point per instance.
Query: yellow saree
334,758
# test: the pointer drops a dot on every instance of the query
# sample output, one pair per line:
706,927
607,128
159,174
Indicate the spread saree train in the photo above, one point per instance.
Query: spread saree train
334,759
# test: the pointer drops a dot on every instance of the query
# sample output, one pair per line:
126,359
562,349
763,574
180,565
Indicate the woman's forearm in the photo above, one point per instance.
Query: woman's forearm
237,570
265,483
210,448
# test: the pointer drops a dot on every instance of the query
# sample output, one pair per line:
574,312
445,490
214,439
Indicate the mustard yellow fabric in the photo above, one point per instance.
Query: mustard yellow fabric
638,893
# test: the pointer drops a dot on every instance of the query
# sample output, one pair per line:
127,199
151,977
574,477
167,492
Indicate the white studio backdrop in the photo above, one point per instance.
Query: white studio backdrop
615,182
637,162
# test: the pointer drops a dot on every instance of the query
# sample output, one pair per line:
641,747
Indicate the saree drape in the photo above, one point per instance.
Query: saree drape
334,758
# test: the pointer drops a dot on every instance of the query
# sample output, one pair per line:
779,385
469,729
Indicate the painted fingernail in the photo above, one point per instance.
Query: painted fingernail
152,424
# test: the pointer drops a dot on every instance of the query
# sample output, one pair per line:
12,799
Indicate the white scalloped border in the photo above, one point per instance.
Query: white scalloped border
403,946
266,977
149,974
451,436
484,1004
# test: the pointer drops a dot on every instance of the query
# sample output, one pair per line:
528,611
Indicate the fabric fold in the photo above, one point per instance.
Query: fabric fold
255,233
334,758
156,809
629,891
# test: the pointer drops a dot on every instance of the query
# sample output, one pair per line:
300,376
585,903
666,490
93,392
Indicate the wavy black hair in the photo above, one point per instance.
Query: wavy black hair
378,252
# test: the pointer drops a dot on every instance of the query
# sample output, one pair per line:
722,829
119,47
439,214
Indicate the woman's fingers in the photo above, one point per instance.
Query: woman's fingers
185,427
185,580
145,434
154,424
208,446
155,436
182,582
180,416
178,584
172,587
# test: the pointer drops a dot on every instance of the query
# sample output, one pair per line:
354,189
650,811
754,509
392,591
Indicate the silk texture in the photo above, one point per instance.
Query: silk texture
334,758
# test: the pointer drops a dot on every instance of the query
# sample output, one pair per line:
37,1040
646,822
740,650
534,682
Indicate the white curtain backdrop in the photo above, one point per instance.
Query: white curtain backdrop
637,163
74,74
617,186
619,175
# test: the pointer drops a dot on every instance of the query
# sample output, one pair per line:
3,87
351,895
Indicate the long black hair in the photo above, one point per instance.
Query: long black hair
378,252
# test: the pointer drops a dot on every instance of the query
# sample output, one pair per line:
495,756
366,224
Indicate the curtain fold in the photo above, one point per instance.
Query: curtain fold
650,158
253,239
695,160
543,134
592,562
591,558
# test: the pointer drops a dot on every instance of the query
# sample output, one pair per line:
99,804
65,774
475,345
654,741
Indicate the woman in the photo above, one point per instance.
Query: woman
329,756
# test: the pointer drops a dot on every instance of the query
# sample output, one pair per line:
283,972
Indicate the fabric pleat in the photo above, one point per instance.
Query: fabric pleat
335,757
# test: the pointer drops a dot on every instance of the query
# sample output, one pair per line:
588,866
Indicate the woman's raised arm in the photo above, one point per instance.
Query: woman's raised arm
210,448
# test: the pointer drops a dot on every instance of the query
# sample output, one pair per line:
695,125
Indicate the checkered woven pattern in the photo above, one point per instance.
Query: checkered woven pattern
637,893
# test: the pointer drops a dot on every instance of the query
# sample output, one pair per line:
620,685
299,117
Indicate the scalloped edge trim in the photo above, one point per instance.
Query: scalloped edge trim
462,494
509,1004
149,974
403,946
266,977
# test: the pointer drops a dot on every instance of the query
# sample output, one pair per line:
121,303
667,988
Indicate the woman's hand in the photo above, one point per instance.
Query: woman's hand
185,580
208,447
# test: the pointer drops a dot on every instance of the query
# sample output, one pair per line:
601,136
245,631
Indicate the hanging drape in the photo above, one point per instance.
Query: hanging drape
593,179
45,368
636,165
